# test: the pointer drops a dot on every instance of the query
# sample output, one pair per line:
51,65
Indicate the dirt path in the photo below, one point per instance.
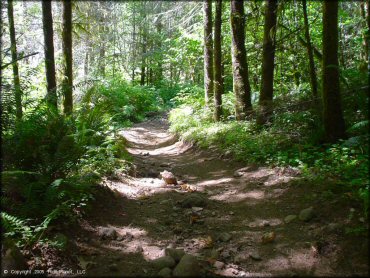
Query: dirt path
237,210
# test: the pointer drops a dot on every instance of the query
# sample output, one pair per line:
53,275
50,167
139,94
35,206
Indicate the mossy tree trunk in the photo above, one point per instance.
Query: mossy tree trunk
268,57
332,114
13,48
312,69
208,51
241,85
67,84
47,22
218,82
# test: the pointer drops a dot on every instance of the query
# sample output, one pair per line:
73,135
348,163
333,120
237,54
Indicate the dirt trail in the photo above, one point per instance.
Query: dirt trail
239,209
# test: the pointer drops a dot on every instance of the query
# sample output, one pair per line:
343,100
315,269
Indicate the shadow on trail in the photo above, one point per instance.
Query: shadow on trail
238,210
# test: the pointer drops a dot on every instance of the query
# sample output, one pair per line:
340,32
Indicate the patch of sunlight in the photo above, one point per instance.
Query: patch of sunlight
152,252
260,173
232,196
278,263
277,192
174,149
276,180
135,232
258,222
214,182
230,272
302,259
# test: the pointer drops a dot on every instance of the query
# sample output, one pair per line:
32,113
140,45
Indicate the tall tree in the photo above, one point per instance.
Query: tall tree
102,32
67,55
241,84
312,69
218,83
47,22
333,115
208,51
268,56
13,47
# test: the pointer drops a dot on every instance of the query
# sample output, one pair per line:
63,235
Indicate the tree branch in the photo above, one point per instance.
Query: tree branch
20,58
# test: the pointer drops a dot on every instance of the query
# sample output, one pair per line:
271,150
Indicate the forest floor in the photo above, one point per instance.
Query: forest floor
217,213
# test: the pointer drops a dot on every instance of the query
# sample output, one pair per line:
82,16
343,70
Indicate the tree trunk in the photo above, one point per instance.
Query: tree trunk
67,84
368,43
208,51
218,66
159,27
332,116
312,69
47,21
268,56
13,47
241,84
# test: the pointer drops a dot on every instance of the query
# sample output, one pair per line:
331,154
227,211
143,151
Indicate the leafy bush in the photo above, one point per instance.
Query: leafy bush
292,139
52,162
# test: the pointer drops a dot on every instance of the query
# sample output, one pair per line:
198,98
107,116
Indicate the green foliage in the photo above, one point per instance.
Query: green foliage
119,103
292,139
52,162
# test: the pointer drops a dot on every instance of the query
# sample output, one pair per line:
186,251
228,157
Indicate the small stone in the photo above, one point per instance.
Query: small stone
129,236
165,272
361,219
290,218
108,233
255,256
139,249
119,238
219,265
224,237
231,213
176,254
196,209
306,214
237,174
225,254
265,223
268,237
213,213
164,262
168,177
187,267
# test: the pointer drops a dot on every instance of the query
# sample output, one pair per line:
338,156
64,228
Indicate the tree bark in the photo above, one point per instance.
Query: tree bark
208,52
67,84
241,84
312,69
47,21
332,114
268,56
159,27
218,66
13,47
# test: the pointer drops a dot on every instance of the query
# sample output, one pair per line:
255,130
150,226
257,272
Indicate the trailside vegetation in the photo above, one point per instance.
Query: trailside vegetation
278,83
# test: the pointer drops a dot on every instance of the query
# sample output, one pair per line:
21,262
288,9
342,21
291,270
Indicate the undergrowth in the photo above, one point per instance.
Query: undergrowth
292,138
52,163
